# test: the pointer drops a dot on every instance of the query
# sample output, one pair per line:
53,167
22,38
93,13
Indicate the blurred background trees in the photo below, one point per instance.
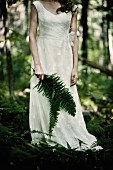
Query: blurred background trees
95,26
95,84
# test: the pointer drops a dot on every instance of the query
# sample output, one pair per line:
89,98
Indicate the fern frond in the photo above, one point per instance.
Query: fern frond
59,97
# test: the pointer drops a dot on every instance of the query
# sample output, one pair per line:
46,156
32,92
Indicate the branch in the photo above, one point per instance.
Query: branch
97,66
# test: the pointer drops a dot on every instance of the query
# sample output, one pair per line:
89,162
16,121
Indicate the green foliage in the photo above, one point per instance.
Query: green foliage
17,152
13,147
58,95
13,114
96,94
13,105
21,60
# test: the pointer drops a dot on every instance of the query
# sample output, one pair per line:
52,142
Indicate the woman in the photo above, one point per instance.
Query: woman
55,51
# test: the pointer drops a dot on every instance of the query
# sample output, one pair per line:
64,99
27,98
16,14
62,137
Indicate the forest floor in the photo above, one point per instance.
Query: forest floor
17,152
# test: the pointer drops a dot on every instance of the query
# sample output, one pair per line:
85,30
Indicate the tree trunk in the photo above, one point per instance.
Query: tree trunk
7,50
9,71
27,15
84,24
1,64
111,44
105,36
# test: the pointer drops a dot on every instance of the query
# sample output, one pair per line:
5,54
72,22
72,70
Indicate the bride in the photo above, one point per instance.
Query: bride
55,50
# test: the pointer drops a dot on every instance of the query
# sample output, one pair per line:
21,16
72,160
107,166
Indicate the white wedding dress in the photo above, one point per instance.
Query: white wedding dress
55,52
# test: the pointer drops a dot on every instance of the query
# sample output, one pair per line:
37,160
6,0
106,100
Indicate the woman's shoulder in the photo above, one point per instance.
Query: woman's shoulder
74,9
36,3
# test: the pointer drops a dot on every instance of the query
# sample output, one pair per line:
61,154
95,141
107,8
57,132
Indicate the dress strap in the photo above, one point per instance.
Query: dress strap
75,8
37,5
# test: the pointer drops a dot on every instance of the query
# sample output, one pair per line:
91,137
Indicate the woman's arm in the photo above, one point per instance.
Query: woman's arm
74,75
75,47
33,42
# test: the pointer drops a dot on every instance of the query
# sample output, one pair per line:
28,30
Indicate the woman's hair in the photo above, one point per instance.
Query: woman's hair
66,6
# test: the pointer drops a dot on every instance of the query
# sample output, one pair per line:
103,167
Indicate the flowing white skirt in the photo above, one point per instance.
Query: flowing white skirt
56,57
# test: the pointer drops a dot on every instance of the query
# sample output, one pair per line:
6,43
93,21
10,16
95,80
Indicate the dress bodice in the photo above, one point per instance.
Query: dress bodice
51,25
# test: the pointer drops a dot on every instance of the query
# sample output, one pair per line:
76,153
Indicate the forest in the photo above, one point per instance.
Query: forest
95,88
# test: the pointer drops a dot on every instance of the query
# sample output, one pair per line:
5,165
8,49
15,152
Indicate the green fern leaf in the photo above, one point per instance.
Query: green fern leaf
59,97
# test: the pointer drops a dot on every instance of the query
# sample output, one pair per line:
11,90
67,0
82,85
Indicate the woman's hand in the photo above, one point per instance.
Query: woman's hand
39,71
74,77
